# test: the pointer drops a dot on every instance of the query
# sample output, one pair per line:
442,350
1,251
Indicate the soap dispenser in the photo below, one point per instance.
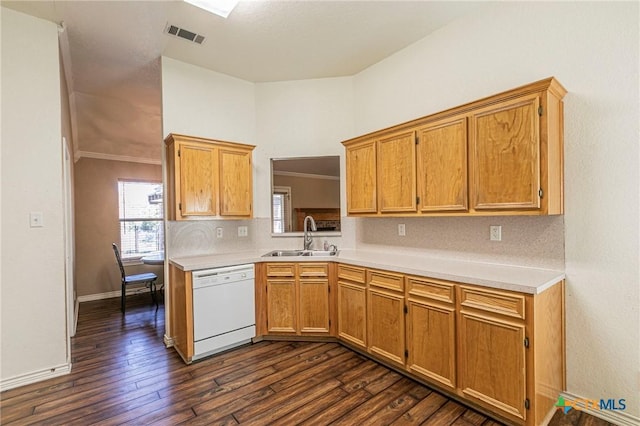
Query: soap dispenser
326,245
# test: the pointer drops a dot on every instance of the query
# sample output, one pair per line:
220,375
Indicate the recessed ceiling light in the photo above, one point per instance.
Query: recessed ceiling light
219,7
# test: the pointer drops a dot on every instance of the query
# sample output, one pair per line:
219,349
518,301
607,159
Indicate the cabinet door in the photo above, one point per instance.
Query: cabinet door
442,166
281,306
505,155
314,306
397,173
431,341
352,313
492,362
198,180
361,178
385,325
235,183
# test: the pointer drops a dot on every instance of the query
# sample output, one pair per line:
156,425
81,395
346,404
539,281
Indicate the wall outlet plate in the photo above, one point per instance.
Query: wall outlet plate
36,220
219,232
243,231
495,233
401,230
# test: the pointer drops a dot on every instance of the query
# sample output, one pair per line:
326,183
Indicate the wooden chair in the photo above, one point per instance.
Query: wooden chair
149,279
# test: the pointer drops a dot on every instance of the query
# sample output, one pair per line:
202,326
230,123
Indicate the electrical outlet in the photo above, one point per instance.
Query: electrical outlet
242,231
495,233
219,232
35,220
401,230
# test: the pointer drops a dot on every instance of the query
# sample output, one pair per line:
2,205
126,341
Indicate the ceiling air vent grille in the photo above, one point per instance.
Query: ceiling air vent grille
185,34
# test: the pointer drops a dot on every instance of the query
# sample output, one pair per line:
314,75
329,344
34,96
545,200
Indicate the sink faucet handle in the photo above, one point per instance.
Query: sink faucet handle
333,247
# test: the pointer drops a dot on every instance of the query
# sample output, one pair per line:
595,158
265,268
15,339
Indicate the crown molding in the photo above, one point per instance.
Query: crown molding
305,175
112,157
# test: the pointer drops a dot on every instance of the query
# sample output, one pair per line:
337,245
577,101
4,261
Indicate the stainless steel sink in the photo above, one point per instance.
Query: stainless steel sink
281,253
320,253
278,253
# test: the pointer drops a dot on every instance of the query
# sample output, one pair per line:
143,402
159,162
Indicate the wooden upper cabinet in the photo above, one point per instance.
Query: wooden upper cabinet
198,194
236,194
361,178
208,178
505,151
501,155
442,165
397,173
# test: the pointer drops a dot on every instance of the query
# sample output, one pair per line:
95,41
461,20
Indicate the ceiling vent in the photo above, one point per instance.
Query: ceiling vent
185,34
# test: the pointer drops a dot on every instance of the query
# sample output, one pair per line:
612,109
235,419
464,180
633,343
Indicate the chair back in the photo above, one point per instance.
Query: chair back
117,253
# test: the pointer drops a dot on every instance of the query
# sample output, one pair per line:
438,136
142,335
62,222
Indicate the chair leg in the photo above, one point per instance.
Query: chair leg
154,296
122,294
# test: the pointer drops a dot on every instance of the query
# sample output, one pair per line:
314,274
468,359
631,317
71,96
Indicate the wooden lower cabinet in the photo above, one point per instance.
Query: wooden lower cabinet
314,306
181,312
511,351
297,299
502,351
431,330
385,316
281,306
352,305
492,359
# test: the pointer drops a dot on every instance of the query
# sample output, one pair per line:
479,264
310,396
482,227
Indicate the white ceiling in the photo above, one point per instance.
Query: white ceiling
112,48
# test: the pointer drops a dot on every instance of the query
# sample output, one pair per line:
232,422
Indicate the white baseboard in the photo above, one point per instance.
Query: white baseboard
616,417
111,294
34,376
547,419
168,341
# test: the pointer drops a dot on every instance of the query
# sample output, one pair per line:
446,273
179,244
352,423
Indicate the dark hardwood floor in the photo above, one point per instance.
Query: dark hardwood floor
123,374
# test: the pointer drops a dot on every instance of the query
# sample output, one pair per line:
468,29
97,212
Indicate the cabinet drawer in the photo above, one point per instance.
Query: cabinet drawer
351,273
431,289
509,304
386,280
313,270
281,269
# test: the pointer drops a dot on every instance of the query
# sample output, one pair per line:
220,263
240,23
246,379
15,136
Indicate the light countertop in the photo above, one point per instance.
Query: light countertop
505,277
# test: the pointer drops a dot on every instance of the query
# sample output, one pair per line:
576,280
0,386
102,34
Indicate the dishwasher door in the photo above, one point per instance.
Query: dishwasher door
223,309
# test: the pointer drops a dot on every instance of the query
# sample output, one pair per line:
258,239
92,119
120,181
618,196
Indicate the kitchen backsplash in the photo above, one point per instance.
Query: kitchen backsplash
526,240
198,237
194,238
534,241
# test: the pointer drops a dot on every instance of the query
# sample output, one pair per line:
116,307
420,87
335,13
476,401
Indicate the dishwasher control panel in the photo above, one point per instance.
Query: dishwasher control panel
229,274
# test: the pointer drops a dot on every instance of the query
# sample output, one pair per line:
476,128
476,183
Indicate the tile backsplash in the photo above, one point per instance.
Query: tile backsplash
534,241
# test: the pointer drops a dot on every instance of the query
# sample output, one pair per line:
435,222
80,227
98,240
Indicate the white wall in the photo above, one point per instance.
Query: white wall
33,323
204,103
299,119
283,119
592,48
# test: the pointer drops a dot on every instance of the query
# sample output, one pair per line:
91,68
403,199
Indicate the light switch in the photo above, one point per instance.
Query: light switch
401,230
36,220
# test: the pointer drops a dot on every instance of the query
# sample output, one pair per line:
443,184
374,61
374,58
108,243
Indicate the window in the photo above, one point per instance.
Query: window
281,209
141,222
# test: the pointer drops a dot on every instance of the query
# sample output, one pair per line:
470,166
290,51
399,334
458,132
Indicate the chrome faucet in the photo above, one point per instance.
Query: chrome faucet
308,238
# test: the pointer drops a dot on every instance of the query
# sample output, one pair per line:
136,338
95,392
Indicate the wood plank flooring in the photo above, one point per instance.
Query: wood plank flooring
123,374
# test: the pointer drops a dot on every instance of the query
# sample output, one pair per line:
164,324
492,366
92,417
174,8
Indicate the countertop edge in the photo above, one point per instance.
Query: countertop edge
467,272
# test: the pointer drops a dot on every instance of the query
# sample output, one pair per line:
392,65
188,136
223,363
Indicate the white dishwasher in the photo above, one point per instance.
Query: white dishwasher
223,309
